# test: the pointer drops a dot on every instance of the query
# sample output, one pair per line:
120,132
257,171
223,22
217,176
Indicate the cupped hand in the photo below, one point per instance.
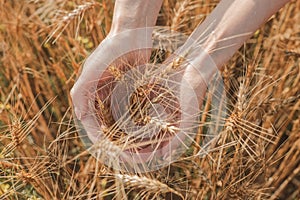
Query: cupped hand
128,48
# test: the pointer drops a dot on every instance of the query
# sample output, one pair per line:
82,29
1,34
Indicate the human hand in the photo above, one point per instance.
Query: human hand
127,49
127,44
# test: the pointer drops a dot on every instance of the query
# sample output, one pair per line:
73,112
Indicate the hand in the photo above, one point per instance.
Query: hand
128,48
198,68
128,33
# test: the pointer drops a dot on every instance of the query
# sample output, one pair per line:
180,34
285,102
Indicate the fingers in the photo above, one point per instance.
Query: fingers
83,90
79,94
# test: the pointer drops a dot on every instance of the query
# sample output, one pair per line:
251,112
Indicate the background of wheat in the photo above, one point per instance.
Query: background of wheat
43,43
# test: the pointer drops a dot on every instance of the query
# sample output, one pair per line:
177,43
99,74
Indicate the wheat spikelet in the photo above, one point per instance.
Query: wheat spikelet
166,39
179,13
20,131
105,145
37,173
63,21
150,187
183,14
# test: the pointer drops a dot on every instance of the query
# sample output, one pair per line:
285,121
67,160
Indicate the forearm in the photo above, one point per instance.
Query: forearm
131,14
231,23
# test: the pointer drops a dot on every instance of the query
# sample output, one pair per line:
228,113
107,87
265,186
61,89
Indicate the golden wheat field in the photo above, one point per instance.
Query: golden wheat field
43,44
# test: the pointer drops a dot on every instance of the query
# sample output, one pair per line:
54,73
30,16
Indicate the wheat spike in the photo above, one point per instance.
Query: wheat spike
150,187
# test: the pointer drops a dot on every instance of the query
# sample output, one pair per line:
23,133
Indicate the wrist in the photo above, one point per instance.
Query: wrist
122,23
132,14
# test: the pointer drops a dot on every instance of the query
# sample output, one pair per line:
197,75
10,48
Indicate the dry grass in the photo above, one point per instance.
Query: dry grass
42,46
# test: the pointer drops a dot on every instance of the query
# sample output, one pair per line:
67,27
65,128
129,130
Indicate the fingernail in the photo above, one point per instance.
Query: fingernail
77,113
